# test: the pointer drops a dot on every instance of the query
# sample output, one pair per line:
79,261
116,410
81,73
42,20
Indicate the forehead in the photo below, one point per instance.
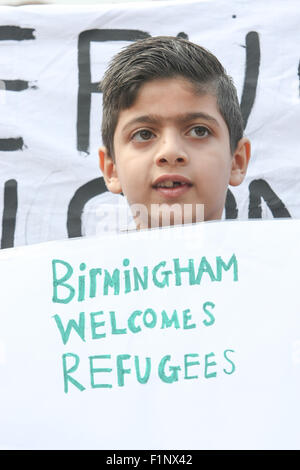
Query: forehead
171,99
169,89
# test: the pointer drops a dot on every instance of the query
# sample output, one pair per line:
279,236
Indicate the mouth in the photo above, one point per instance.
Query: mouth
172,186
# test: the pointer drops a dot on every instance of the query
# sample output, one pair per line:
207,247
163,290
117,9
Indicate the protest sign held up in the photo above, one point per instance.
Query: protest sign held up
183,343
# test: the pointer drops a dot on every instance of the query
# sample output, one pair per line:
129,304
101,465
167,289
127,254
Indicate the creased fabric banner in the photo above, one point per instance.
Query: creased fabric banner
170,341
51,61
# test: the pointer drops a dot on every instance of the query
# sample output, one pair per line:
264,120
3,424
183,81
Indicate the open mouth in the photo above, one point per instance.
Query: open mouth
171,184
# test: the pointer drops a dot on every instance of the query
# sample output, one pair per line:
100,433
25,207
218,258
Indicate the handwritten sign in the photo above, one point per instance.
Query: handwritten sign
183,337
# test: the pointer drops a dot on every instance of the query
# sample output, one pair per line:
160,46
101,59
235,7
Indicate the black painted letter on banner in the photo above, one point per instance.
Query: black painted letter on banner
299,77
81,197
231,210
259,189
9,214
251,75
14,33
86,87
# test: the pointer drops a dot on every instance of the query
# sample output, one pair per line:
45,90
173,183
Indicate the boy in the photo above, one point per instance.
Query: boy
172,131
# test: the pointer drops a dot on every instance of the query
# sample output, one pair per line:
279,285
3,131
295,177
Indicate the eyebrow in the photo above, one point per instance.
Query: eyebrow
181,118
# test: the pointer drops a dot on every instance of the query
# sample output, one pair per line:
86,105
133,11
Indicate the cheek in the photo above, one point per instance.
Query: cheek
214,166
222,165
133,183
213,174
135,169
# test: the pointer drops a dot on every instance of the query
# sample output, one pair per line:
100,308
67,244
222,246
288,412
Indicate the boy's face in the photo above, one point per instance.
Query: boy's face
172,147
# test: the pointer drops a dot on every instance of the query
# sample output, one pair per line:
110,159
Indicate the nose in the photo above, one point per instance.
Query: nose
171,151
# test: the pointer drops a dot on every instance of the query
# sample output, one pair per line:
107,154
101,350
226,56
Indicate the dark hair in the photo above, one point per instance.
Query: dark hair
166,57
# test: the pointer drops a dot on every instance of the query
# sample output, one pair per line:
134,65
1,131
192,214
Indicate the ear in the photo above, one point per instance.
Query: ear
240,162
109,170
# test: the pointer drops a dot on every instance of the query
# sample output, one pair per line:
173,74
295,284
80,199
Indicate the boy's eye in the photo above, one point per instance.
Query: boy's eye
199,131
142,135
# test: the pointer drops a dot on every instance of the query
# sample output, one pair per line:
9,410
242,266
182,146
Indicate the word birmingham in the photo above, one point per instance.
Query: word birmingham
101,281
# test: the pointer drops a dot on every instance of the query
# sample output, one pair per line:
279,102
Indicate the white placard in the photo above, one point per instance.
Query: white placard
181,338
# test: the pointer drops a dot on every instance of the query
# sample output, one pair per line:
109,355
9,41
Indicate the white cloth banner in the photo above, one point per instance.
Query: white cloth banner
188,343
51,59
